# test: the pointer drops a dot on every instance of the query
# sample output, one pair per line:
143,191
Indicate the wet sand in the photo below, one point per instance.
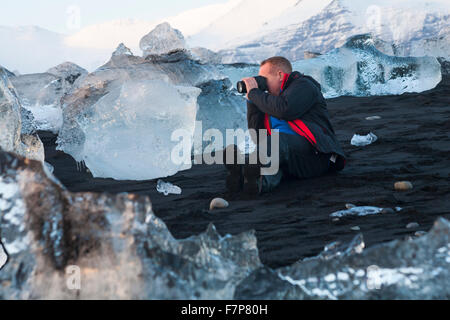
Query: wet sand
294,222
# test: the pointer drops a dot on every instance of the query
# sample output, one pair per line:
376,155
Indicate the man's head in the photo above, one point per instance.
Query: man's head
274,69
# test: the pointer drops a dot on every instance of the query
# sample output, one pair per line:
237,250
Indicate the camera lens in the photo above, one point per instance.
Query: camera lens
241,88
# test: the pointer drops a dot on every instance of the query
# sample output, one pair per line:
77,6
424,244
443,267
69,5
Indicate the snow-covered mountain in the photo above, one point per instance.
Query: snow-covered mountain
406,24
245,31
250,18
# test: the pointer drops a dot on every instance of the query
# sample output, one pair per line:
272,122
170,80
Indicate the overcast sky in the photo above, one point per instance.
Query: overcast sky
62,15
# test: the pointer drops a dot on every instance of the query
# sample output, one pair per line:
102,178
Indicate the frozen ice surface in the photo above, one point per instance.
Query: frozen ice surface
167,188
128,133
359,69
357,211
360,141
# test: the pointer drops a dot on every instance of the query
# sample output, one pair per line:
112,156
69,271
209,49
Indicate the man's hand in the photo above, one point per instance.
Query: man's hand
250,83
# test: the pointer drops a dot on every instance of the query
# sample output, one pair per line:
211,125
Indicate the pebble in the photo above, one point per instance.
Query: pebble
420,233
412,225
373,118
403,185
335,220
217,203
349,205
356,228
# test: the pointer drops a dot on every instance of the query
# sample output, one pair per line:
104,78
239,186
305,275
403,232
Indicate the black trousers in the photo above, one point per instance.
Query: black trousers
297,158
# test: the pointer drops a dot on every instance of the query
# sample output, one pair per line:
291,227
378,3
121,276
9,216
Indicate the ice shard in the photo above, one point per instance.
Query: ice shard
122,50
16,128
162,39
41,93
400,269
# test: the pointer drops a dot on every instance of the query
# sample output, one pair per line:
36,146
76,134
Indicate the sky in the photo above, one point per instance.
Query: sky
68,16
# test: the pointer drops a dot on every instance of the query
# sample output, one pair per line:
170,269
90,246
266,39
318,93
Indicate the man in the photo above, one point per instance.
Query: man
295,106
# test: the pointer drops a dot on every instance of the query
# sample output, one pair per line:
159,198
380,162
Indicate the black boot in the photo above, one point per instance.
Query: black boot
252,179
235,179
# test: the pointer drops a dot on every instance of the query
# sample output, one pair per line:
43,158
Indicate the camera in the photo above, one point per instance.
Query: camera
260,80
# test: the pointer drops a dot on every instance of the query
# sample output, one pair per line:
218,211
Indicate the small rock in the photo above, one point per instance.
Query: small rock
412,225
335,220
355,228
420,233
403,185
387,210
349,205
373,118
217,203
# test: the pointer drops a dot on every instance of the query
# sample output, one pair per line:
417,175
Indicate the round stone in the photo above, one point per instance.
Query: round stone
412,225
403,186
218,203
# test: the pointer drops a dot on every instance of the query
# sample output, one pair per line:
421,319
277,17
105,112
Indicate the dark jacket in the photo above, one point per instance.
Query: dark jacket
301,98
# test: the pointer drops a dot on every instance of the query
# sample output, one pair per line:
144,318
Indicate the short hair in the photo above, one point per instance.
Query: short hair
279,62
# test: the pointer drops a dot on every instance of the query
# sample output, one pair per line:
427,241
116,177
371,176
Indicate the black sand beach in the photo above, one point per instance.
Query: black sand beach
294,221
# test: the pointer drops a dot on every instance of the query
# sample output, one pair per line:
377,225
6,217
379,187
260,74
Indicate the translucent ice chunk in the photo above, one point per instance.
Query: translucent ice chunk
360,141
128,134
162,39
359,69
167,188
357,211
373,118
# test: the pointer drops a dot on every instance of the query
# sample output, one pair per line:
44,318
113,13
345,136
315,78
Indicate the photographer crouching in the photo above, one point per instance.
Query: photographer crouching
294,105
